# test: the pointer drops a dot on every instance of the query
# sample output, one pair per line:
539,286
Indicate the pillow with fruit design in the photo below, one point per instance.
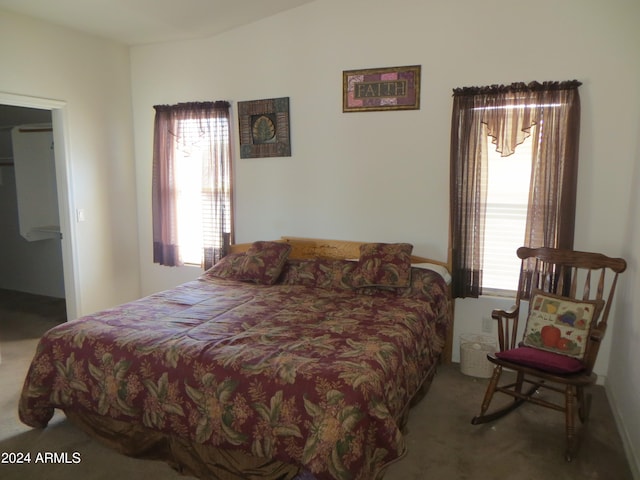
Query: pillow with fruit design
560,324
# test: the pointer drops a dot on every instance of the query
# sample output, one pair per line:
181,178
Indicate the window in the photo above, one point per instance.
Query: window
191,158
192,184
508,182
548,116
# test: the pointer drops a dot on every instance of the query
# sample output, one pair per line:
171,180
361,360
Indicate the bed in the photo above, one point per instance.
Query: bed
295,358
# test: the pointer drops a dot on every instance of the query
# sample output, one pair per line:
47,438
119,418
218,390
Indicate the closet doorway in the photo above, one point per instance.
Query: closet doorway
18,110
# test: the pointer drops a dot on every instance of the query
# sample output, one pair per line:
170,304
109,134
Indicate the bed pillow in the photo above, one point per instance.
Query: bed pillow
383,265
559,324
227,267
263,262
332,274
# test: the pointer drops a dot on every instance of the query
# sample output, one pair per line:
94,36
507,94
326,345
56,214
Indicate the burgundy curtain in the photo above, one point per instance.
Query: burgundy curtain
507,114
178,127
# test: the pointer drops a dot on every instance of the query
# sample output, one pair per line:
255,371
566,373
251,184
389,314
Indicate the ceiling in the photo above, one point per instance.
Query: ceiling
137,22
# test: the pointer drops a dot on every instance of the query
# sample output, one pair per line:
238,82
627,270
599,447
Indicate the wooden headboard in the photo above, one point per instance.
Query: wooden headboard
303,248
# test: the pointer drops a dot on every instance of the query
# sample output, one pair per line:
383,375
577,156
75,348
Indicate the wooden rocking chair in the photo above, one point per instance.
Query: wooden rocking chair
562,335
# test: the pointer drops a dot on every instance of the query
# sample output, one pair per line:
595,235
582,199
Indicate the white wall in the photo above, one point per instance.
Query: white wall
623,380
90,77
384,176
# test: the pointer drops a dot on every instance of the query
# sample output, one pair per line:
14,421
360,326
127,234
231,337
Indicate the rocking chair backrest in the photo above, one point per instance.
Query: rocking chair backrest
578,275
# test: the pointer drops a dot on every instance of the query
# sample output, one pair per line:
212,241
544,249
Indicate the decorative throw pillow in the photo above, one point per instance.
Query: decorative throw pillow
383,265
263,262
560,324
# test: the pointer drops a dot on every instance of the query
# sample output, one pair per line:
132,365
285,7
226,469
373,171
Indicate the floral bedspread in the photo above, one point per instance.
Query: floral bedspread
317,377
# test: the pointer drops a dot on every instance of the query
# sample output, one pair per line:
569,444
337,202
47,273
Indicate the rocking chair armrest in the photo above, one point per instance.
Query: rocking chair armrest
500,313
596,335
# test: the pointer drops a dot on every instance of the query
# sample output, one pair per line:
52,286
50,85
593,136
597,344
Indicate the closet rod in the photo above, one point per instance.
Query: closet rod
27,129
35,130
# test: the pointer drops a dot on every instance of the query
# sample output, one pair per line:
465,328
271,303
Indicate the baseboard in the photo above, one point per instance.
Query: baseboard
629,449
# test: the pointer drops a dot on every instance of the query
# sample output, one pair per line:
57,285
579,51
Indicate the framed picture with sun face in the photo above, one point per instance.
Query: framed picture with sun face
264,128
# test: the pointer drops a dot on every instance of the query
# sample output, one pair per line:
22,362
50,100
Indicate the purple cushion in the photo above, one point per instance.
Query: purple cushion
543,360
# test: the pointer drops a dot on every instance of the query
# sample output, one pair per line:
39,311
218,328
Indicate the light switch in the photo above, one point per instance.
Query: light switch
80,215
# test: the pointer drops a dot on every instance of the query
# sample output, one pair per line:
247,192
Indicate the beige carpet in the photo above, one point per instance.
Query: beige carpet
442,443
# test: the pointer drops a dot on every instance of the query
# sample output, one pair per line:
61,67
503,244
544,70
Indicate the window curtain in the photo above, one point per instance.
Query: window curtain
174,131
507,114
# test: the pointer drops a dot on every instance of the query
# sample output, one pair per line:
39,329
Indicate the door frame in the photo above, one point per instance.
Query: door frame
64,187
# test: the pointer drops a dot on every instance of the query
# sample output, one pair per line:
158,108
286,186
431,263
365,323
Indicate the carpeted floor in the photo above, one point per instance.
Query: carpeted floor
442,443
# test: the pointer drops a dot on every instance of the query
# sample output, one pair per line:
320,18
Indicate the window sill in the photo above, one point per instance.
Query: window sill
193,265
497,292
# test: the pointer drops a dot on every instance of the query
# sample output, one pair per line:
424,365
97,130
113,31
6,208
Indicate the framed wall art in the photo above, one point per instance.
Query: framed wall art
375,89
264,128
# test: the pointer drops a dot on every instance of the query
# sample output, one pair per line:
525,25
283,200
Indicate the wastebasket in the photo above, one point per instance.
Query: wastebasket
473,355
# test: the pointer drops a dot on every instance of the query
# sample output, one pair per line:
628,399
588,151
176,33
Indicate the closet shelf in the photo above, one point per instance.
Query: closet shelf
48,228
44,232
